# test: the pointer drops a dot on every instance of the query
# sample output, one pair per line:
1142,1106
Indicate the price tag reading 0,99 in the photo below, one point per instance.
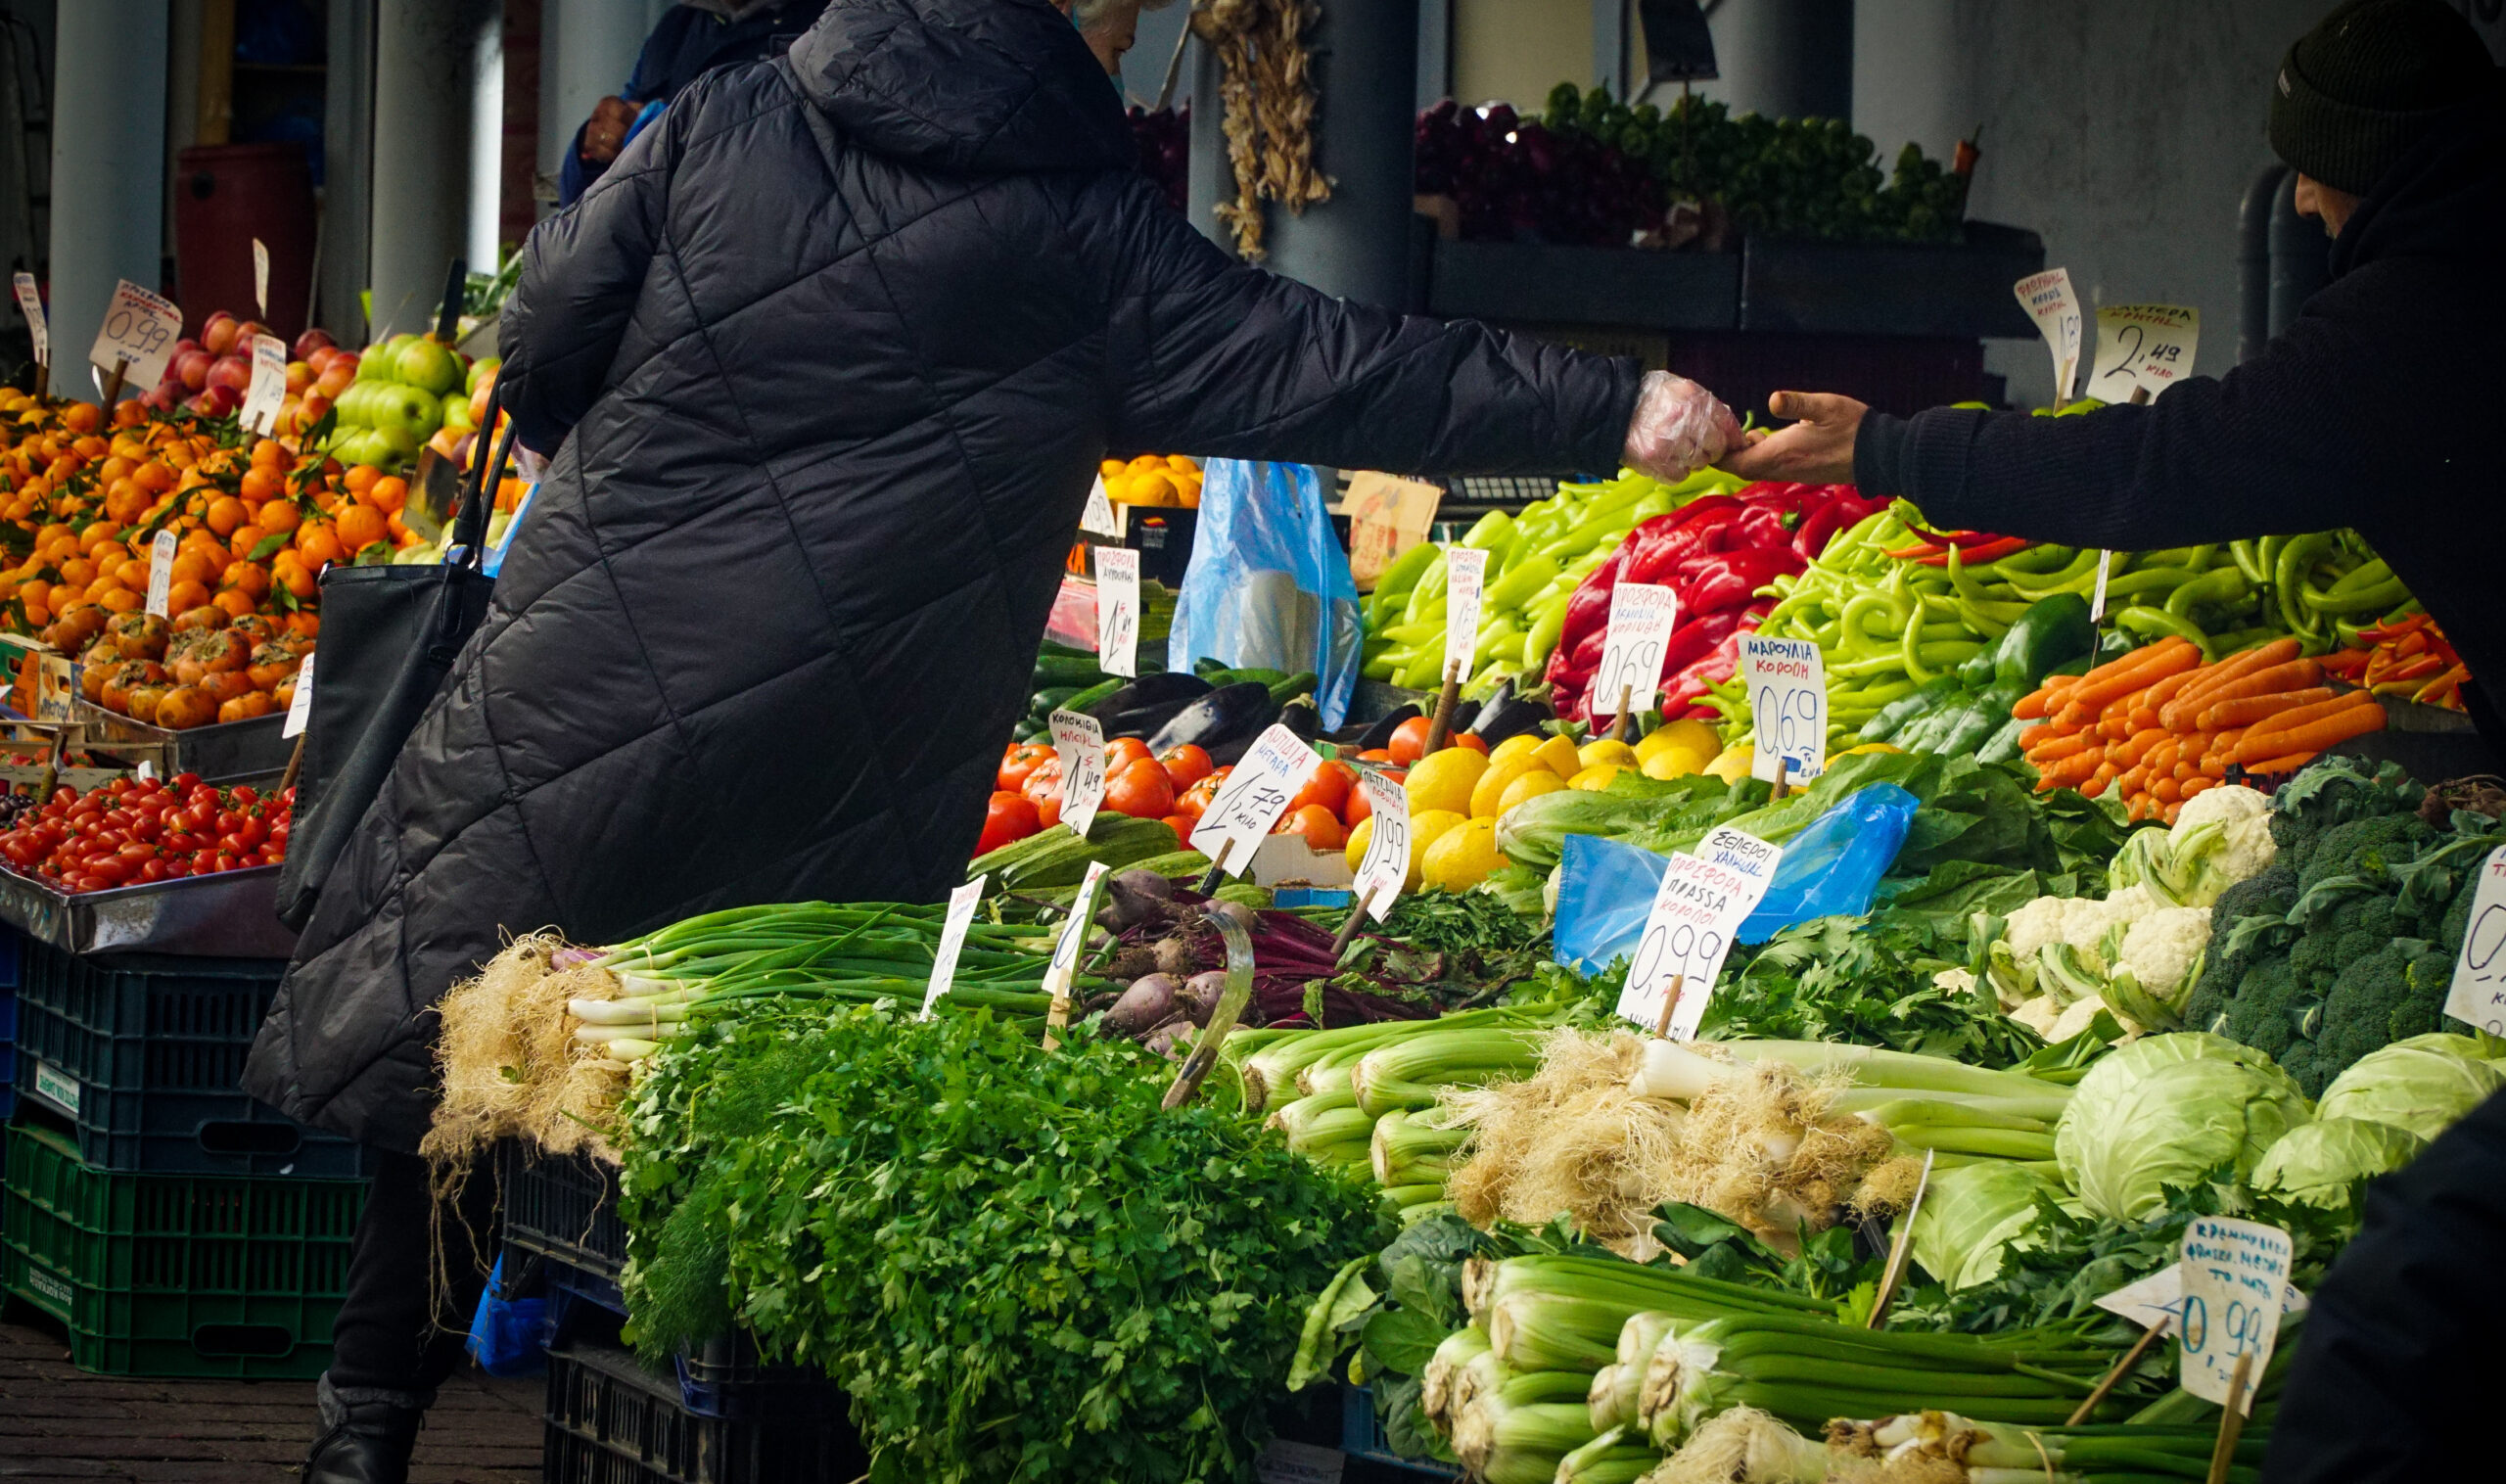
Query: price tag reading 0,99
1701,902
2478,996
140,330
1642,616
1386,866
2047,298
1253,797
1788,682
2235,1273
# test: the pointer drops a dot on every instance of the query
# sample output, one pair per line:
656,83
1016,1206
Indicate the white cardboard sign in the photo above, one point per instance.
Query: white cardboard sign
2143,348
1253,797
1385,870
1704,899
300,707
2234,1272
2153,1301
1788,682
140,328
1118,609
1096,517
2097,604
953,940
161,571
261,275
270,386
2478,996
1642,616
30,305
1079,740
1465,579
2047,298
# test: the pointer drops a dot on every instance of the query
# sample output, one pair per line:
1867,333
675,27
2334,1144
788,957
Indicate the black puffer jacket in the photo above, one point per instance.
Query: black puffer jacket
827,361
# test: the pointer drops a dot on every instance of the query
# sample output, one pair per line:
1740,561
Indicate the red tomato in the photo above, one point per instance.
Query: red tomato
1018,761
1409,740
1329,785
1044,790
1361,805
1010,817
1470,739
1375,755
1319,826
1182,826
1186,763
1122,753
1140,789
1197,798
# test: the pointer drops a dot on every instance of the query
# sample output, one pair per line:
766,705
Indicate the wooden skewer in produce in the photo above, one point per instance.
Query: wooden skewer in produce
1448,699
2123,1369
2231,1420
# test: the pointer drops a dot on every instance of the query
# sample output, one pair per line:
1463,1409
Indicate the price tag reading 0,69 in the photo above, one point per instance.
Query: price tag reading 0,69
1465,577
2478,996
1642,616
1788,682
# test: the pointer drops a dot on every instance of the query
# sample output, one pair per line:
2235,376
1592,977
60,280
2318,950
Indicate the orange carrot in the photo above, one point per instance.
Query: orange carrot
2136,671
2037,735
2055,750
2360,716
2292,674
2162,756
2175,685
2289,764
2259,737
2215,768
2031,706
2076,767
2166,790
2197,784
2138,746
2099,781
2167,813
2237,667
2244,711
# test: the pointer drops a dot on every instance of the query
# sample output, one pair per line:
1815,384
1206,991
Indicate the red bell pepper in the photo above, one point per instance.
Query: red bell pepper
1735,577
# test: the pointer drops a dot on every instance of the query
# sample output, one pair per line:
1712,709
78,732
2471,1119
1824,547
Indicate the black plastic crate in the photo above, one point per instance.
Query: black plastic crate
610,1422
143,1055
1361,1437
725,1378
563,1207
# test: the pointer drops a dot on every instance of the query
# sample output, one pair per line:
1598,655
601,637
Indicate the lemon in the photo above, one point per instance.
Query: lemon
1606,750
1686,732
1491,785
1669,763
1732,764
1520,745
1530,785
1443,781
1595,777
1558,756
1460,859
1359,839
1425,830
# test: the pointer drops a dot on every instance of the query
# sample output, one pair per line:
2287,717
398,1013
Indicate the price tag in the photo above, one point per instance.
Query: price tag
1253,797
1642,616
1285,1461
2143,348
1073,931
30,305
1118,611
2047,298
1385,870
261,276
1466,575
1703,900
1097,515
1079,740
2097,603
952,938
269,384
1387,516
1788,680
2478,993
2153,1301
2234,1272
300,707
56,689
161,571
139,328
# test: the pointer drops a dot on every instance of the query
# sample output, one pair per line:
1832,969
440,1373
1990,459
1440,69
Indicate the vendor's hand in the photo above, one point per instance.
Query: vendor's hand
1678,429
1817,449
605,132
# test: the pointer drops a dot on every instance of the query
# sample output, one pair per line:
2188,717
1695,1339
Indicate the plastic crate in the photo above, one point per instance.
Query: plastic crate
176,1275
609,1423
1361,1437
725,1378
8,1056
563,1207
143,1054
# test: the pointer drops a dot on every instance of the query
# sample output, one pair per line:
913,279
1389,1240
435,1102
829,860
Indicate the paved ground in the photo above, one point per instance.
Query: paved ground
59,1423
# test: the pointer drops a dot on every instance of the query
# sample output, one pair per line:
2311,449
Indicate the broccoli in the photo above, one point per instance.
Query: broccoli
2370,849
2335,791
2245,929
2398,990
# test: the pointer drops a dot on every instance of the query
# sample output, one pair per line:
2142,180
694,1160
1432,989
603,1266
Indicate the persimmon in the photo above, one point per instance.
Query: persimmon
244,708
304,623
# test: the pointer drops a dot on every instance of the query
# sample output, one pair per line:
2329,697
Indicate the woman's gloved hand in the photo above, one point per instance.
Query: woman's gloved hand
1679,428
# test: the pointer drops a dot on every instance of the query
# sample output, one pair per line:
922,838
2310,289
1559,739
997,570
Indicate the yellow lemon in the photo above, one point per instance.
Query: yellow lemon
1491,786
1443,781
1517,746
1530,785
1732,764
1558,756
1686,732
1425,830
1460,859
1607,751
1359,839
1595,777
1669,763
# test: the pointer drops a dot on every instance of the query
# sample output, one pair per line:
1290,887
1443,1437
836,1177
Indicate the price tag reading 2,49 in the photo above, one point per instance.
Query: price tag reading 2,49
1642,616
2235,1273
1118,609
1253,797
2143,348
2478,996
1787,683
1704,899
1386,866
1079,740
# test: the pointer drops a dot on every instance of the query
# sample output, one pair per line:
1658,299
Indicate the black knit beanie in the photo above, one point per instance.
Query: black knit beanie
2356,92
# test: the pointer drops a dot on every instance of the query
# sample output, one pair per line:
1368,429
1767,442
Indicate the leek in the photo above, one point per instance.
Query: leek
1409,1149
1673,1073
1504,1443
1274,1067
1609,1459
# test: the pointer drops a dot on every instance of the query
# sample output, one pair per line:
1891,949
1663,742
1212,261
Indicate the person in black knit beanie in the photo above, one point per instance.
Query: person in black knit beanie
2367,413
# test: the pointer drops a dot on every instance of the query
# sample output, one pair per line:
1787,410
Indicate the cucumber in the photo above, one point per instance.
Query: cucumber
1054,670
1043,703
1081,700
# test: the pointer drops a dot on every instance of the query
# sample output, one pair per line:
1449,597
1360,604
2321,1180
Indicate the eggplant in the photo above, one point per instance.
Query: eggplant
1508,715
1140,721
1300,718
1230,713
1159,688
1379,735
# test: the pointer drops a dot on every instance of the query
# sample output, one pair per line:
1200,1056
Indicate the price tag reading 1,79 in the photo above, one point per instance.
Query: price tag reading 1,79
1118,609
268,388
2143,348
160,571
1704,899
1642,616
1080,741
1386,866
1253,797
1465,577
1787,684
30,305
953,940
140,329
2047,298
2235,1273
2478,996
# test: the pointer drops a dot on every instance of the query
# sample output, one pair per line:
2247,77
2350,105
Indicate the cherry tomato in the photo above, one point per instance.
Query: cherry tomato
1140,790
1319,826
1409,740
245,794
1020,760
1185,764
1009,817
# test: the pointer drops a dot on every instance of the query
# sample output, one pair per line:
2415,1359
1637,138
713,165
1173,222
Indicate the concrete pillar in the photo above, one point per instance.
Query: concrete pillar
108,169
486,145
422,74
587,48
1357,244
1786,59
348,172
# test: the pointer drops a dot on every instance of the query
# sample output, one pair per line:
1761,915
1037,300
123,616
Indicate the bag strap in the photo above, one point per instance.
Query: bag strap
486,475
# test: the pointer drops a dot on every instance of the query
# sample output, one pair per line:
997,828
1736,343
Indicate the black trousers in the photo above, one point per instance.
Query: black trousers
398,1329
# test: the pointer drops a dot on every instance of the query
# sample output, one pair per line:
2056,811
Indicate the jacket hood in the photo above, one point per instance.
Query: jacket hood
971,86
2446,198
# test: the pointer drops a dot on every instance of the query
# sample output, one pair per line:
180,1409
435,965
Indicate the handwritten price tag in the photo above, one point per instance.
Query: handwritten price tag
1097,515
1385,870
1467,576
1073,931
1079,740
261,276
2153,1301
269,384
1642,616
30,305
1703,900
299,708
2047,298
1788,682
56,688
2478,994
140,328
160,571
2234,1273
1118,609
2143,348
1253,797
2097,604
952,941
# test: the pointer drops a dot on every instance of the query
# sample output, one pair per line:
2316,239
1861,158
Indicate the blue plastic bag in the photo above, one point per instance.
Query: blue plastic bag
1269,587
506,1335
1831,868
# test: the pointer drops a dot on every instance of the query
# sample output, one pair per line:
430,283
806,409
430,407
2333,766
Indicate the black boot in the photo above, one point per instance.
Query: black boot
367,1435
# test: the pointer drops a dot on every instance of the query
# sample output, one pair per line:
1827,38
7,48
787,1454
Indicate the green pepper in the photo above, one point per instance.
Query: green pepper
2289,573
1903,711
2157,624
1399,576
1981,716
2003,745
2372,599
1427,593
1542,640
2051,631
2249,560
2078,574
2224,584
1530,573
2127,585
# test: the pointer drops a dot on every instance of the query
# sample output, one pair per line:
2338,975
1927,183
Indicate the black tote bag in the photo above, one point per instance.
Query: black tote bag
390,635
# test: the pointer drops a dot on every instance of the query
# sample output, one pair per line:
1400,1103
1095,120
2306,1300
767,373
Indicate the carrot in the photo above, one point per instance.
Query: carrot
2175,685
2136,671
2031,706
2237,667
2186,768
2115,729
2247,710
2037,735
2360,716
2198,784
2162,756
2139,808
2282,764
2099,781
2215,768
2290,674
2260,735
2076,767
2138,746
2055,750
2167,813
2132,780
2167,791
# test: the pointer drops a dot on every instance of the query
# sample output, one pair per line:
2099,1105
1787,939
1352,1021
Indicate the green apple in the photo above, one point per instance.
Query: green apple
480,373
428,366
397,446
407,411
353,404
361,446
456,413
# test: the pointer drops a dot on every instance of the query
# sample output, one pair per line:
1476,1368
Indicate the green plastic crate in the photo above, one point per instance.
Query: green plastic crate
176,1275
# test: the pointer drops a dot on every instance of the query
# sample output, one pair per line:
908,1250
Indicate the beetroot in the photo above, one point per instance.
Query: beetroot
1149,1000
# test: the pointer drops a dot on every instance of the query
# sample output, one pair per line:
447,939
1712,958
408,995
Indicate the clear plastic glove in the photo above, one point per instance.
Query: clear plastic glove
1679,428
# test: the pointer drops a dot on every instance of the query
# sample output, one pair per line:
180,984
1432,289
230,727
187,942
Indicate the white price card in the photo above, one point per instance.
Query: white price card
1704,899
1096,517
1074,932
270,386
1079,740
30,305
1465,579
1642,616
261,275
2153,1301
2233,1275
2143,348
2478,996
56,688
953,940
1253,797
1118,609
1787,684
1385,870
140,330
2097,603
160,571
300,707
2047,298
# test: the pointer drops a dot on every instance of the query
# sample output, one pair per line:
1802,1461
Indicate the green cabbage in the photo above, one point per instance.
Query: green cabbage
2164,1111
2420,1085
1970,1213
2318,1162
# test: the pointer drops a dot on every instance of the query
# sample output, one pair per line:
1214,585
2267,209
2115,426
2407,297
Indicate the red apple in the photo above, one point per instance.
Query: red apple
159,398
231,371
244,334
335,377
308,343
218,333
218,402
299,376
315,405
191,368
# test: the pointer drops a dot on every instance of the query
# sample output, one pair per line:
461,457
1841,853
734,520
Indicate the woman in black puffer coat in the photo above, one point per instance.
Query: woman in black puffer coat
823,367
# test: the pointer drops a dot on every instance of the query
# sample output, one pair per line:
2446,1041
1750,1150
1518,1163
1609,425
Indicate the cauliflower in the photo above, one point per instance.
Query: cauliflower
1955,981
2244,815
2080,921
2161,948
2055,1021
